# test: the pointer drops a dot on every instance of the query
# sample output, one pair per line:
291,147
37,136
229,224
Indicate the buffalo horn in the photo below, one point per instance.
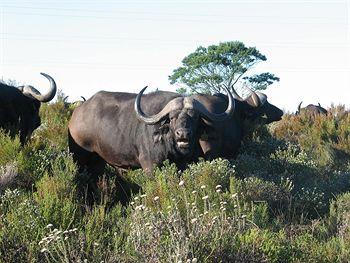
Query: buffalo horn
258,98
174,104
214,116
181,102
33,93
235,94
299,106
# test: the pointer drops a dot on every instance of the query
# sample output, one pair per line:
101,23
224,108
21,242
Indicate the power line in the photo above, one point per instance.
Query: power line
166,13
317,2
174,19
97,65
106,41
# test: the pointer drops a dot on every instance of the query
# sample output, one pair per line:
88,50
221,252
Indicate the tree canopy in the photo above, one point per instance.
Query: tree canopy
208,70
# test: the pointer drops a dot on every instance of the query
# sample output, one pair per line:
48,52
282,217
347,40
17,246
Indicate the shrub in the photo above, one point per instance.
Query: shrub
194,225
56,194
20,227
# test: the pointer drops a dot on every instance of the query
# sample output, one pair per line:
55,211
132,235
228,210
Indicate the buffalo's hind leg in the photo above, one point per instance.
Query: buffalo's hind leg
90,167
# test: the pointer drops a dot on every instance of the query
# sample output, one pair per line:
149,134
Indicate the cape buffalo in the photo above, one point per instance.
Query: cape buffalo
311,109
120,129
19,108
74,103
223,139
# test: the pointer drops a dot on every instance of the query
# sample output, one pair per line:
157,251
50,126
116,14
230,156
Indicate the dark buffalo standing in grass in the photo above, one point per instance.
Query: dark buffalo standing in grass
19,108
129,132
311,109
223,139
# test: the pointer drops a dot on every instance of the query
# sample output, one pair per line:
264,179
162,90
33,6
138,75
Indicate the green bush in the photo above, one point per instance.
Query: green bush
283,199
21,226
56,194
184,219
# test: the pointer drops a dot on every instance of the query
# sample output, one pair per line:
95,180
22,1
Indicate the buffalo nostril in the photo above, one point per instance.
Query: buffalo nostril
182,133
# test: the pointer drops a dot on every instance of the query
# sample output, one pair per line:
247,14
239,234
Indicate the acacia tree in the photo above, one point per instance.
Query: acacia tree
207,70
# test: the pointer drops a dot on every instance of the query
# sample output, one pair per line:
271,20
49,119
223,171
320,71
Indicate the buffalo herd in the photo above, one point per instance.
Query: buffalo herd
128,130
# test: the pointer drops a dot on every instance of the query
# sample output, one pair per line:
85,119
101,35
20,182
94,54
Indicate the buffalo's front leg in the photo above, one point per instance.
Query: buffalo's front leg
146,163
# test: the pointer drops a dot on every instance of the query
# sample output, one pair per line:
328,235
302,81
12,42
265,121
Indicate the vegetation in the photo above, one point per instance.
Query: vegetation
208,70
285,198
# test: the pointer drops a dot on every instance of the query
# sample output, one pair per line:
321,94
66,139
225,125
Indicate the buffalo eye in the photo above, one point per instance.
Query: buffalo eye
173,115
172,118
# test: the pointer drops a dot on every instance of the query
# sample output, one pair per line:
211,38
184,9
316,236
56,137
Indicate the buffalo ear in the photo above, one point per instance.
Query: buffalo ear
162,131
204,136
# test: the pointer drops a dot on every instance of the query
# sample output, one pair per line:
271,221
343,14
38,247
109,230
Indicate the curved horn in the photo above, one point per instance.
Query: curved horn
83,98
33,93
258,98
299,106
262,97
172,105
235,94
214,116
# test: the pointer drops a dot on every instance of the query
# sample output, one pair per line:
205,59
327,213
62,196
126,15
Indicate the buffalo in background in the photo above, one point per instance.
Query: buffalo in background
223,139
311,109
74,103
19,108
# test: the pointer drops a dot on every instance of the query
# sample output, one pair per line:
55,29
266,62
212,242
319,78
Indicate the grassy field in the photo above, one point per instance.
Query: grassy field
285,198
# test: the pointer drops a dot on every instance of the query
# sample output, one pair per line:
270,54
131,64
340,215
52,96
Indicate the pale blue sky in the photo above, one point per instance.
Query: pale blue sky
88,46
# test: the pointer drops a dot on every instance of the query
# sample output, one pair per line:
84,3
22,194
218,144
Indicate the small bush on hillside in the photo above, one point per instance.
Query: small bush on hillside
340,216
8,176
56,194
185,219
21,226
324,137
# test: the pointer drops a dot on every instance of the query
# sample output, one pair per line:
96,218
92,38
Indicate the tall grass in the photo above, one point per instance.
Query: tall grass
285,198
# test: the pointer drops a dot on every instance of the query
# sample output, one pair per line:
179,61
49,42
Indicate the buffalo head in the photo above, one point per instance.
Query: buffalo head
224,139
256,108
179,120
19,107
